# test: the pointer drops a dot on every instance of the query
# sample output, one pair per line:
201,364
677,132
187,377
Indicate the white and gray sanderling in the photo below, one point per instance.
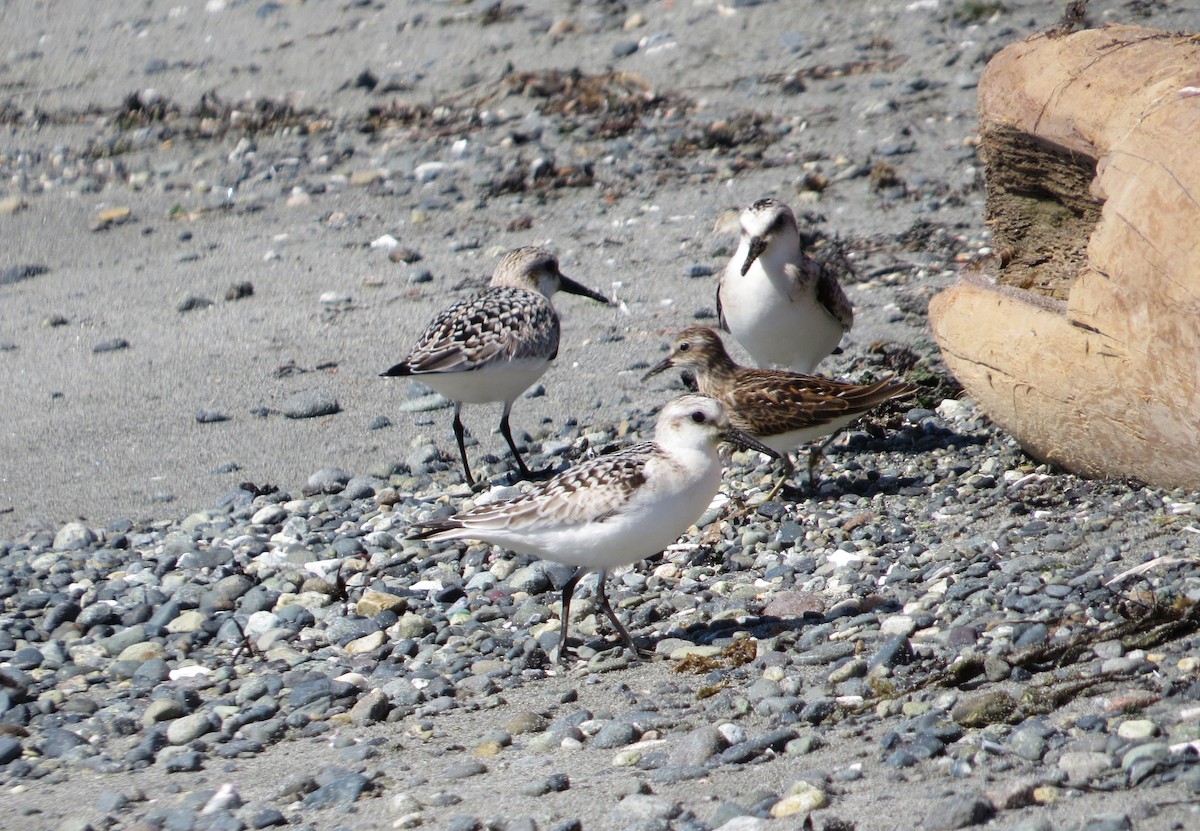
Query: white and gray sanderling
491,346
781,409
614,509
786,308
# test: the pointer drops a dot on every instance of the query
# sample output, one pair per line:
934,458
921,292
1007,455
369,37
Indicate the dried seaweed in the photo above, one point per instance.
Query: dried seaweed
1074,17
793,81
1147,627
136,111
617,101
749,133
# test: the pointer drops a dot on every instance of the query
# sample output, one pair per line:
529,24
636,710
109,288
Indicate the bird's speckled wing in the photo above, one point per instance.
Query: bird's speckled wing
589,492
769,403
499,323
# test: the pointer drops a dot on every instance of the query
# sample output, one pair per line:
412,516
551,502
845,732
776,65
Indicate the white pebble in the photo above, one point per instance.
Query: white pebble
733,733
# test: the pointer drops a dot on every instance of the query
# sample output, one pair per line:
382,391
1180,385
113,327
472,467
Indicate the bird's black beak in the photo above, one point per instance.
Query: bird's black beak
661,366
757,246
568,285
743,439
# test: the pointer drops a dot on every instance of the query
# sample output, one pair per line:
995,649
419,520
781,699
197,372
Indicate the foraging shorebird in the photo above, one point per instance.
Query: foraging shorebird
493,345
781,409
615,509
786,308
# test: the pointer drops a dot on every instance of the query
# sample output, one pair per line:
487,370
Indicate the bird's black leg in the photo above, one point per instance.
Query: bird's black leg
506,431
460,436
785,462
525,472
602,599
815,455
568,589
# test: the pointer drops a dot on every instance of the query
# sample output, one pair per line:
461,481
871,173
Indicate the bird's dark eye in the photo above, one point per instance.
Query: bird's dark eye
685,346
698,417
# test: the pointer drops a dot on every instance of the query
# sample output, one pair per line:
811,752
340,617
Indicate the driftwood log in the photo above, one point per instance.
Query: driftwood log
1081,335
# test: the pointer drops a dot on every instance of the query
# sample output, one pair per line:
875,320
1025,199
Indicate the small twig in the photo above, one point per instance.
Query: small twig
1142,568
245,646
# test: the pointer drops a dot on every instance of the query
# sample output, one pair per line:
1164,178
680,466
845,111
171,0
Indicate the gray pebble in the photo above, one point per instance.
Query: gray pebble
344,790
185,762
896,651
817,711
1029,743
111,802
263,816
239,291
374,706
17,273
1033,824
191,303
750,748
110,345
645,806
74,536
464,770
310,403
164,709
1082,767
616,734
58,742
698,746
960,811
191,727
10,749
326,480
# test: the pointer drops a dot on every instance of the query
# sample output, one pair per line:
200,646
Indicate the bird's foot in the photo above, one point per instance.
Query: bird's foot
539,475
640,654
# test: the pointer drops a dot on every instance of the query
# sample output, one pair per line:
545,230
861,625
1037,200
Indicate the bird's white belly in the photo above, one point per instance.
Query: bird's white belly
502,381
626,537
785,442
774,329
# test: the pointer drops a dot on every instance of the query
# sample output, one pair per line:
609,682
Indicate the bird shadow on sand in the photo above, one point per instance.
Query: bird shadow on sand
759,627
865,480
723,633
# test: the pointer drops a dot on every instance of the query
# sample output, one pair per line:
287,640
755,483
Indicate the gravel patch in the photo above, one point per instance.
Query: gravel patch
209,621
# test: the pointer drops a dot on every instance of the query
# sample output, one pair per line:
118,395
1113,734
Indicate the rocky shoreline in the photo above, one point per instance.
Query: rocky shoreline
198,631
991,651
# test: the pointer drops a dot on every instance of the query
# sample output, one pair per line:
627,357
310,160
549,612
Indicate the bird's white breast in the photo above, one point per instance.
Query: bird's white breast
500,380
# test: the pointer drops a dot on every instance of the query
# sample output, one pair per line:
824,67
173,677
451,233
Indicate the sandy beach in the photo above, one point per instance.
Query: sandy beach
218,217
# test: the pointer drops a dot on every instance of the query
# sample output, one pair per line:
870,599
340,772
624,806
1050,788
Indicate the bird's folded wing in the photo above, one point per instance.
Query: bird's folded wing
488,327
593,491
832,298
782,402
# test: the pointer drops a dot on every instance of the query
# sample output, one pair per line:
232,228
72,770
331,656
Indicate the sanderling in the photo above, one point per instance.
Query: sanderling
785,307
781,409
493,345
615,509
